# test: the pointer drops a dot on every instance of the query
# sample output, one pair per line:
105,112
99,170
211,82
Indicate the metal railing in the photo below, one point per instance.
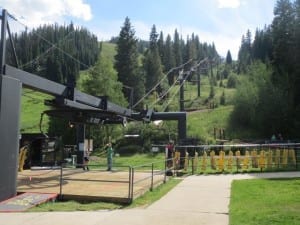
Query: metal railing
239,158
135,180
147,176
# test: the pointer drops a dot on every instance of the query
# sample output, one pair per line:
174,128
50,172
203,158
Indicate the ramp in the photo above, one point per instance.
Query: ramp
25,201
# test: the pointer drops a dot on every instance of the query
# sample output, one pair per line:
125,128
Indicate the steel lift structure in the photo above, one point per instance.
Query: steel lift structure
68,103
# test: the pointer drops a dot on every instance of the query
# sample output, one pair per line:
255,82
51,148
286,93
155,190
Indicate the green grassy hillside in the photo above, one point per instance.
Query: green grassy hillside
200,123
31,108
109,50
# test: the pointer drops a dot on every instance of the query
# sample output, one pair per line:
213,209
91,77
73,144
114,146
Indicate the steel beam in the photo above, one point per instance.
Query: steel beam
179,116
41,84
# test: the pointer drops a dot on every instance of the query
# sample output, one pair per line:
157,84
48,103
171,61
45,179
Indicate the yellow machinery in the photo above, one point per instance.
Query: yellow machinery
22,157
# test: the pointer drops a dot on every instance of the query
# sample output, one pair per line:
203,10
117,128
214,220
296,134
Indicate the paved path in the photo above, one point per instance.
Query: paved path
197,200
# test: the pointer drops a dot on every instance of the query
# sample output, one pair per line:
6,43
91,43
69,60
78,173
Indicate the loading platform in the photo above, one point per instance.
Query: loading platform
93,185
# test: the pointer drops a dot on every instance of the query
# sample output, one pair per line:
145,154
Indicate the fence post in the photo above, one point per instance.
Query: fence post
60,182
193,165
165,172
129,187
152,174
132,182
296,153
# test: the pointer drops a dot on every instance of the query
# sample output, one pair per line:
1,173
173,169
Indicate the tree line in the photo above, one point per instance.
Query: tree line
55,52
269,99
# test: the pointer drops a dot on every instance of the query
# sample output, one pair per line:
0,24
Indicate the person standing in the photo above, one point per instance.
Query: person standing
109,154
170,153
86,160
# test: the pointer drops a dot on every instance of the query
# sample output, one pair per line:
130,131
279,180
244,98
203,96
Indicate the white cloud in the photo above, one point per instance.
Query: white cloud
78,9
229,3
36,12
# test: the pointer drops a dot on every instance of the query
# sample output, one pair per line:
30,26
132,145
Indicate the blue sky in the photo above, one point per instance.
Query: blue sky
220,21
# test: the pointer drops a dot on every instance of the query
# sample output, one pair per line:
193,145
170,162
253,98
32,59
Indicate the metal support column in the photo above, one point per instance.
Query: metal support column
80,136
10,101
10,94
179,116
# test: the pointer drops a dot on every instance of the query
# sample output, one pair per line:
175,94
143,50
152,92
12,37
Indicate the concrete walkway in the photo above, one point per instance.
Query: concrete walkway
197,200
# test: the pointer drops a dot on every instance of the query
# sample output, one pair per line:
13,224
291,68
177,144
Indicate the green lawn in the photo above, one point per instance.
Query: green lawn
123,162
265,202
202,124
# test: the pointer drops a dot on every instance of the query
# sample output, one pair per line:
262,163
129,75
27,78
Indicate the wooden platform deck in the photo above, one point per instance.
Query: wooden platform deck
87,185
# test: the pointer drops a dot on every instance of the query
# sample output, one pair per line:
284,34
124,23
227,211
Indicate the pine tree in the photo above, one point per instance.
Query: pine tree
245,55
282,32
102,80
228,58
126,62
169,59
152,63
177,49
161,46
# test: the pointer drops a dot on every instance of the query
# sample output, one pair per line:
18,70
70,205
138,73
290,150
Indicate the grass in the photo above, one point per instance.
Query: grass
32,106
140,161
206,121
265,201
145,200
109,50
201,124
74,206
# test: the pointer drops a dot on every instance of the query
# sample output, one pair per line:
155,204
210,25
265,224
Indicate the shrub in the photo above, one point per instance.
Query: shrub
232,81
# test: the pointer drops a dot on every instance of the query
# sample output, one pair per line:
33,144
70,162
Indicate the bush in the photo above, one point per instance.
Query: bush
232,81
246,102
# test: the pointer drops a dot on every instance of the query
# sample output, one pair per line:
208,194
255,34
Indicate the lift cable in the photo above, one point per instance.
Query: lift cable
165,93
47,50
189,73
50,43
176,92
155,86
